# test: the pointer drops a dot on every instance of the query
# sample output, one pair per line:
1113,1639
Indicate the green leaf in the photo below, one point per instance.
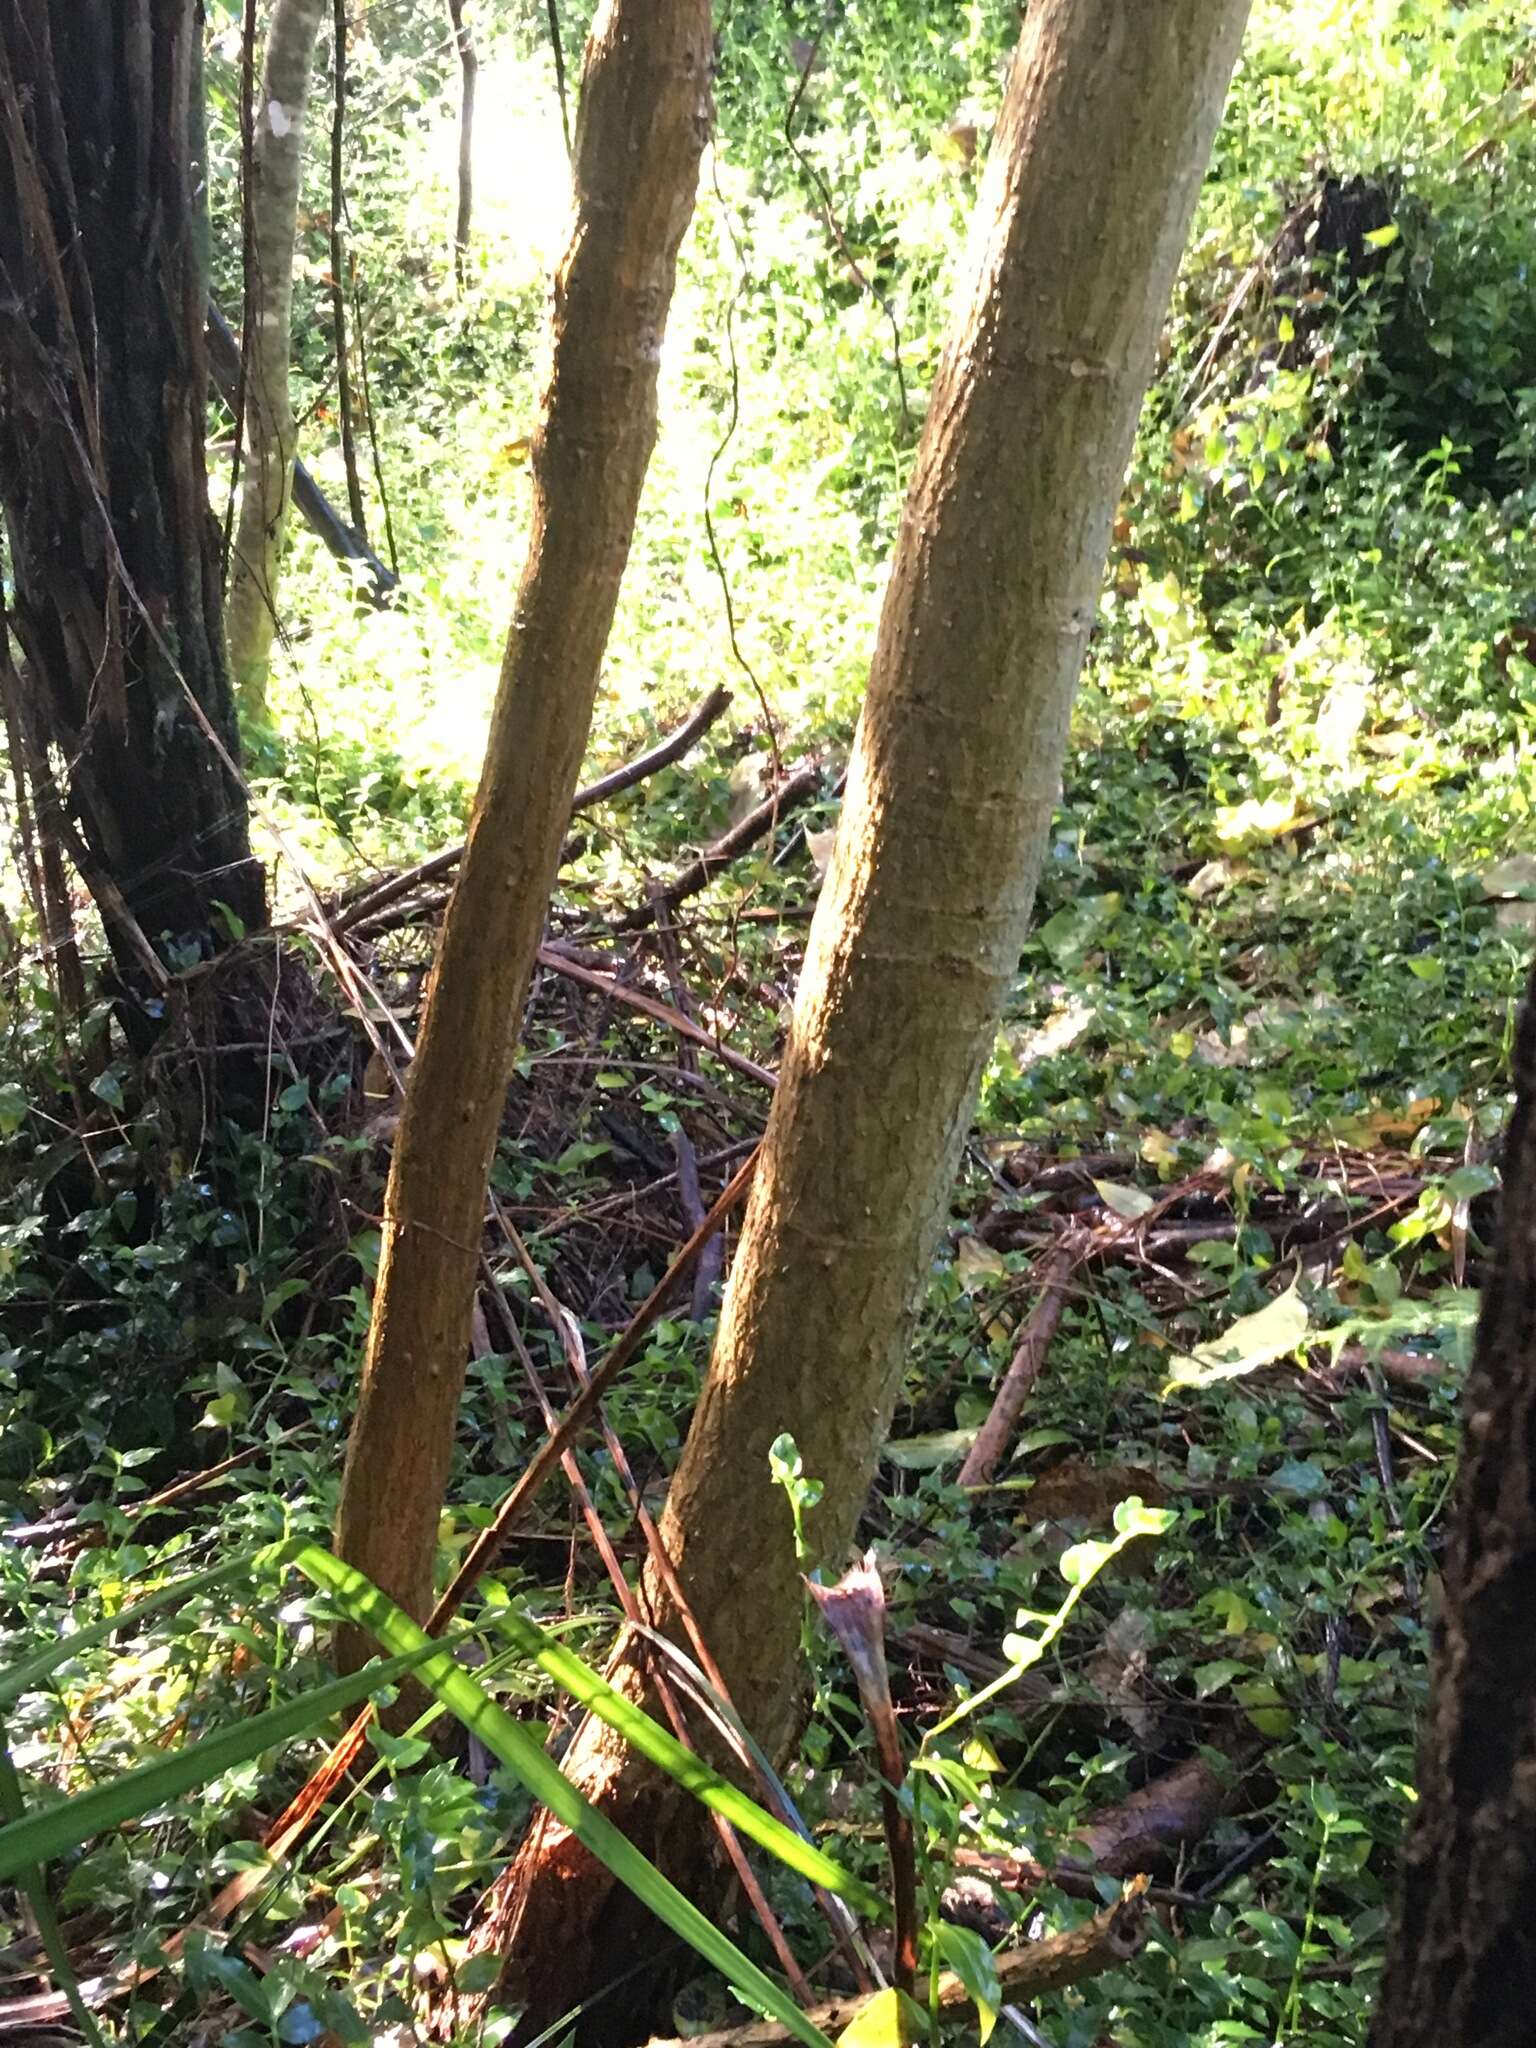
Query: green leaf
1301,1477
76,1819
275,1297
1468,1181
1079,1564
1129,1203
971,1960
28,1675
1382,238
927,1453
522,1753
13,1108
1216,1675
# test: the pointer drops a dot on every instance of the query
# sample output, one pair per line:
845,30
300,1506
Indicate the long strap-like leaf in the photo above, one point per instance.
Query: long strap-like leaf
523,1754
594,1693
57,1828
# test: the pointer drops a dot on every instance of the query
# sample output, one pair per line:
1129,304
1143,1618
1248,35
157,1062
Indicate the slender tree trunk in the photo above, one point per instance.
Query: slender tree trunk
1461,1970
345,409
469,70
103,285
271,432
1109,115
644,118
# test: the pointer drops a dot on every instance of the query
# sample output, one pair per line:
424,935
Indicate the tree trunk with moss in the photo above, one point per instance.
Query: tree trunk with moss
1108,120
113,550
645,111
1461,1969
271,431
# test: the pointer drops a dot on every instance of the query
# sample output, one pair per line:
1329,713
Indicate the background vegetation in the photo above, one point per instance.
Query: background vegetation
1283,923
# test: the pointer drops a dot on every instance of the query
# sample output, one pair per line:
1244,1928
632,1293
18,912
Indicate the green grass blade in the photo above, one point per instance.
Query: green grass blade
522,1753
29,1673
691,1772
57,1828
32,1884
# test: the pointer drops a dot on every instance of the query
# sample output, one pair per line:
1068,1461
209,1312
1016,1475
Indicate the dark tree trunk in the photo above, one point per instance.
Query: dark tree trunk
102,376
1461,1971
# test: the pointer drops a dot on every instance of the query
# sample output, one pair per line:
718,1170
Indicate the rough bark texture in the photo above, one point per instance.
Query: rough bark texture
1461,1971
1109,115
102,387
271,432
644,117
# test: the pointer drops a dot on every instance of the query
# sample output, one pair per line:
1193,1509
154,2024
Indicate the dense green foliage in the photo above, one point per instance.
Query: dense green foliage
1282,926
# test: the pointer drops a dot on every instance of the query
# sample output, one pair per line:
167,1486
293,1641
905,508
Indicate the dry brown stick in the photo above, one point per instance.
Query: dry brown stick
652,1007
1105,1942
570,1344
284,1834
296,1815
996,1433
707,1274
86,1534
1023,1874
728,847
372,897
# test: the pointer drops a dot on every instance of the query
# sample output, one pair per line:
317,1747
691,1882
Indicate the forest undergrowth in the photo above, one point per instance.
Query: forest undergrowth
1229,1195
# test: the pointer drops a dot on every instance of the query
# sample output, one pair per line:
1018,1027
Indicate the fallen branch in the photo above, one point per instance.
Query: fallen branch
373,897
1170,1814
1105,1942
651,1006
84,1534
310,502
996,1433
1167,1814
729,846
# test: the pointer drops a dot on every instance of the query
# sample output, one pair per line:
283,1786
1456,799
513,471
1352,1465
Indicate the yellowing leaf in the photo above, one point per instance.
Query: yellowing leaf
979,1755
1271,1332
1382,238
976,1263
1158,1149
926,1453
1266,1709
888,2021
1239,826
1129,1203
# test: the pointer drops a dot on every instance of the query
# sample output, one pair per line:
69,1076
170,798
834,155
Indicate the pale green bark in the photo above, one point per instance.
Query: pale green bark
645,113
271,432
1107,125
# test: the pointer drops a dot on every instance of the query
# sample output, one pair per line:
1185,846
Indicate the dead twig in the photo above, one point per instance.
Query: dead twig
1105,1942
84,1535
729,846
559,962
996,1433
372,897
